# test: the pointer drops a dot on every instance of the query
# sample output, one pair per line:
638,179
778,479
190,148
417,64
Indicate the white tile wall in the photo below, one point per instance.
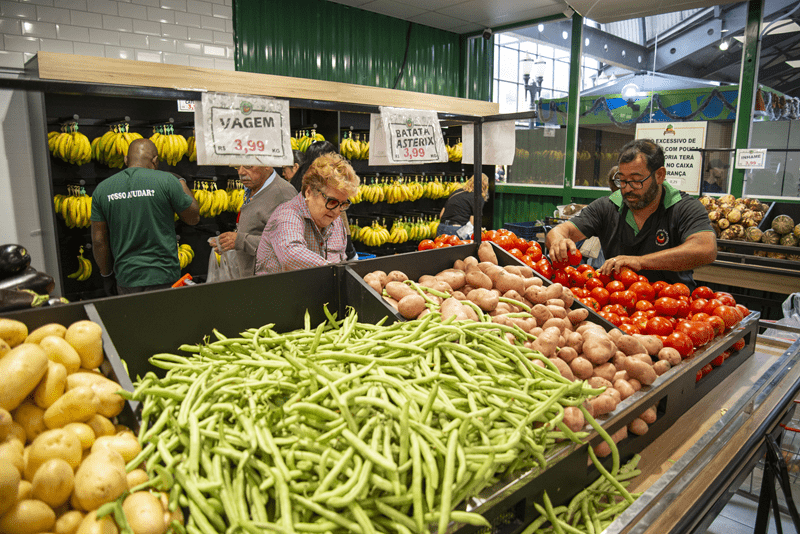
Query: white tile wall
196,33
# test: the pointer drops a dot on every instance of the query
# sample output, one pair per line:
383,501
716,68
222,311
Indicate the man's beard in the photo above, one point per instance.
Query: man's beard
648,196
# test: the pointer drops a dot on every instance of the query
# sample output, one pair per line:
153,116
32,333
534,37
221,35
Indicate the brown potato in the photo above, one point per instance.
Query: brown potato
578,315
581,368
606,370
411,305
573,418
602,450
649,415
598,349
598,382
652,344
638,427
661,367
478,279
453,278
567,354
505,281
486,252
670,355
630,345
603,404
396,276
398,290
547,342
624,388
485,299
640,371
563,368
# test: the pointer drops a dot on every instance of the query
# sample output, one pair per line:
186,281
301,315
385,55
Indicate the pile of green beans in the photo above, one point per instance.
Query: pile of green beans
348,426
592,510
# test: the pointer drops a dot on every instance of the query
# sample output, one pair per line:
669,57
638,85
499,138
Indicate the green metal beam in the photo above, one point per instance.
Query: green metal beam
573,111
748,85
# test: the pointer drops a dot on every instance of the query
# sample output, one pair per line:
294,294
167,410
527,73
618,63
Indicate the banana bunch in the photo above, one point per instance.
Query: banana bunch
452,187
70,145
235,192
420,230
355,229
171,146
433,225
304,138
212,201
112,147
354,148
355,199
374,235
399,234
185,255
75,208
191,148
434,189
454,152
84,268
373,192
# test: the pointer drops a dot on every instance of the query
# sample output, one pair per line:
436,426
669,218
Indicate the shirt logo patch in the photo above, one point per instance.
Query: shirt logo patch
662,238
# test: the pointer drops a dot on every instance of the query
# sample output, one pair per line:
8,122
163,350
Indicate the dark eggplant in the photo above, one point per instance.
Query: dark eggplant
13,260
31,279
11,299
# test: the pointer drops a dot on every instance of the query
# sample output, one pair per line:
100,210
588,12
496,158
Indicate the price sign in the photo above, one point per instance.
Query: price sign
186,105
751,158
243,130
413,136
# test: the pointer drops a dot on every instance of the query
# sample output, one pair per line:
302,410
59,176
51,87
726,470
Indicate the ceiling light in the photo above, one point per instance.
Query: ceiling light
629,91
723,45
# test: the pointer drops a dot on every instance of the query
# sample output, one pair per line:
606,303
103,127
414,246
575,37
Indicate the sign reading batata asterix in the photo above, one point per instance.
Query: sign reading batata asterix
235,129
680,141
412,136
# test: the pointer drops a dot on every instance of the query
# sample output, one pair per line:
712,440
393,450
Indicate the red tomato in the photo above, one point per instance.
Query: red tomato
706,369
560,277
559,264
594,282
718,323
625,298
504,241
680,342
440,238
702,316
577,279
533,245
590,303
579,292
729,314
488,235
611,317
640,321
727,300
716,362
643,290
630,329
683,309
522,243
583,267
615,286
699,332
697,305
601,295
644,305
575,257
527,260
666,306
425,244
726,354
441,244
744,310
643,278
710,305
544,268
651,313
659,326
699,376
718,294
627,276
658,285
681,289
619,309
703,292
739,345
517,253
604,278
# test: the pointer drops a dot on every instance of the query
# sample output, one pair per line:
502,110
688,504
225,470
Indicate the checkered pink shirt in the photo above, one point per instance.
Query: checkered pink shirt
291,240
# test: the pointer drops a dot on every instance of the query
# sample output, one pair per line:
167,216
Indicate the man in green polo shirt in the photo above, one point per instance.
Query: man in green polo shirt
133,223
647,225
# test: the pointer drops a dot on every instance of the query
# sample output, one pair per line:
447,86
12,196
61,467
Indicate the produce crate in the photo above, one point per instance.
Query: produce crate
532,231
778,208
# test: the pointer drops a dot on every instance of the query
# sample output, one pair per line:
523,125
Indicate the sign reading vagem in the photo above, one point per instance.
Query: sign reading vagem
681,159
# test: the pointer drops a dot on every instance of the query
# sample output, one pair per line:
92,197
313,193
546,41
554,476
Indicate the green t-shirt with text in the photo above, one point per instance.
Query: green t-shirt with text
139,207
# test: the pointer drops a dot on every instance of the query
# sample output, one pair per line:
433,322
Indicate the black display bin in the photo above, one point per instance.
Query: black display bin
780,208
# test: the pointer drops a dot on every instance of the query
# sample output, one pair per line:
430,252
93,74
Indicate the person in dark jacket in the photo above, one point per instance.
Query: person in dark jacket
315,150
460,207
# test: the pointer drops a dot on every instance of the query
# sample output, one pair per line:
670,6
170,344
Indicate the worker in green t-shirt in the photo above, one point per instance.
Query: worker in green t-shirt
133,223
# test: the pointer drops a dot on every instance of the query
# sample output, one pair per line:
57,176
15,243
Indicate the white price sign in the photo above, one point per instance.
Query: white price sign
243,130
413,136
751,158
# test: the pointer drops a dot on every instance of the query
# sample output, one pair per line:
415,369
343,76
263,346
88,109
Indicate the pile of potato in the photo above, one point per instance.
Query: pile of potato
61,455
580,349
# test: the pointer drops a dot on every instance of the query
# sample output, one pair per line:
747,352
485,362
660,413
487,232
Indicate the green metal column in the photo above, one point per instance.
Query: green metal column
572,105
748,85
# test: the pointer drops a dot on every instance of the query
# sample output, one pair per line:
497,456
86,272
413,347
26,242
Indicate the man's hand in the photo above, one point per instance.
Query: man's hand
110,285
615,264
559,251
227,241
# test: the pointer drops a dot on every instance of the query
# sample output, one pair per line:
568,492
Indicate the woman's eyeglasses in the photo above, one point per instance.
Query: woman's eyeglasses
634,184
332,203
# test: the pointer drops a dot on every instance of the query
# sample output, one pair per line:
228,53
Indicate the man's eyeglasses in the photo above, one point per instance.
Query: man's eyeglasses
634,184
332,203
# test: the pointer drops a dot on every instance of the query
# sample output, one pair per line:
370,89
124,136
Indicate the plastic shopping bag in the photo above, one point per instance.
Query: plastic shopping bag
222,267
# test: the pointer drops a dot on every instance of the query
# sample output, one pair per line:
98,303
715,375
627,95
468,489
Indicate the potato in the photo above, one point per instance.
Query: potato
28,516
136,477
471,261
52,385
567,354
455,279
670,355
563,368
76,405
53,482
11,453
547,341
555,302
50,329
598,349
597,382
13,332
391,301
642,357
567,296
58,443
635,384
606,370
652,344
31,417
624,388
459,265
452,307
638,427
578,315
574,340
478,279
581,368
21,368
86,337
630,345
9,482
398,290
661,367
621,375
557,311
125,443
649,415
374,283
4,347
486,252
555,322
59,351
83,432
411,305
5,424
144,513
541,313
615,334
396,276
91,525
68,522
603,404
485,299
505,281
602,450
101,478
381,276
573,418
640,371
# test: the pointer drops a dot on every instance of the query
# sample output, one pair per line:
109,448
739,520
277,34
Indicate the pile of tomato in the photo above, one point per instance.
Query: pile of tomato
442,241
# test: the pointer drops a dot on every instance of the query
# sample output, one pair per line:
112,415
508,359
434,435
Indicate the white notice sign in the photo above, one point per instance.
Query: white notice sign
413,136
242,130
679,141
751,158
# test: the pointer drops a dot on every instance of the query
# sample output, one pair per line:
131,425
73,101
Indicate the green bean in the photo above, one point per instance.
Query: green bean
445,505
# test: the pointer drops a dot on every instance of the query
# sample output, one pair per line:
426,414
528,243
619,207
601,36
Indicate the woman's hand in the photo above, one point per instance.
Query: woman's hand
227,241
